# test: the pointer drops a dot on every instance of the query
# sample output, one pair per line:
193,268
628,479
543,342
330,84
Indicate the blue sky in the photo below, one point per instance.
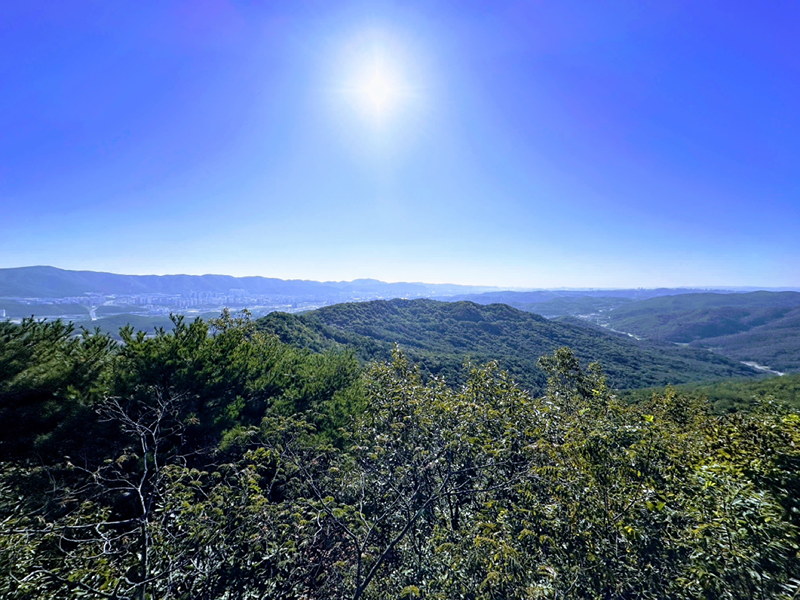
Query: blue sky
527,144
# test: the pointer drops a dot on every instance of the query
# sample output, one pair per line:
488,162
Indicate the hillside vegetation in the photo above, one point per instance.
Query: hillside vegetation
558,306
111,325
563,303
776,343
733,395
441,336
760,326
213,461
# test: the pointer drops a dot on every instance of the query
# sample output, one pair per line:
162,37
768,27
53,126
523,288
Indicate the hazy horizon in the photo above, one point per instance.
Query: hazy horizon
513,145
472,283
475,285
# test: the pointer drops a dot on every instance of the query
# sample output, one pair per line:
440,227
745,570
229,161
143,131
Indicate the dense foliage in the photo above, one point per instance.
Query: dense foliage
732,395
235,466
49,382
441,336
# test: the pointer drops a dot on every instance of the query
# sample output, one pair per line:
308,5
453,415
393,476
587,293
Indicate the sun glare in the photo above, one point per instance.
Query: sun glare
377,81
379,91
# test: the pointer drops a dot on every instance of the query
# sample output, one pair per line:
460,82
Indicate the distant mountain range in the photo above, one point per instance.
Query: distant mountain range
761,326
561,303
50,282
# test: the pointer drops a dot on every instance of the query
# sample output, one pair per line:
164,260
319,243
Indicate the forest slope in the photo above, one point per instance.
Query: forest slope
561,303
732,395
760,326
441,336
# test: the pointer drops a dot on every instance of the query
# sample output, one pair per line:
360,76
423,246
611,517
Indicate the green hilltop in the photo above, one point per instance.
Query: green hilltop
441,336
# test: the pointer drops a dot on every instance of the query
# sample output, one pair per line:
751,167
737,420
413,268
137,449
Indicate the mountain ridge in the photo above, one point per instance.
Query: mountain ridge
442,335
51,282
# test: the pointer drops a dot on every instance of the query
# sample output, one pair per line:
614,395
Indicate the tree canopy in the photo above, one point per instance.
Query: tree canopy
215,461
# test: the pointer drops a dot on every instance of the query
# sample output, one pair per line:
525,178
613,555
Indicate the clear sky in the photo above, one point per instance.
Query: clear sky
528,144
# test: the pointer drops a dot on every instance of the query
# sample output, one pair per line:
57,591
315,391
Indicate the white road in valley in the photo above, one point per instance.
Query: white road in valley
755,365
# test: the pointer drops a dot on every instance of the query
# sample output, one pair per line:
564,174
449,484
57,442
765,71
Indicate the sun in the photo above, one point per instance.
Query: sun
379,91
377,80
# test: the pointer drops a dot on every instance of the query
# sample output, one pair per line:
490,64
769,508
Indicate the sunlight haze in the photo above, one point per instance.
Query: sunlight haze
513,143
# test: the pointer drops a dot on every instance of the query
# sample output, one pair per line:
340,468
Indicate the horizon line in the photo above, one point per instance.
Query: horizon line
488,288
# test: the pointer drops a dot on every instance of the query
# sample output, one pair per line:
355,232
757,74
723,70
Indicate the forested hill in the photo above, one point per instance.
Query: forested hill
706,301
442,335
733,395
758,326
